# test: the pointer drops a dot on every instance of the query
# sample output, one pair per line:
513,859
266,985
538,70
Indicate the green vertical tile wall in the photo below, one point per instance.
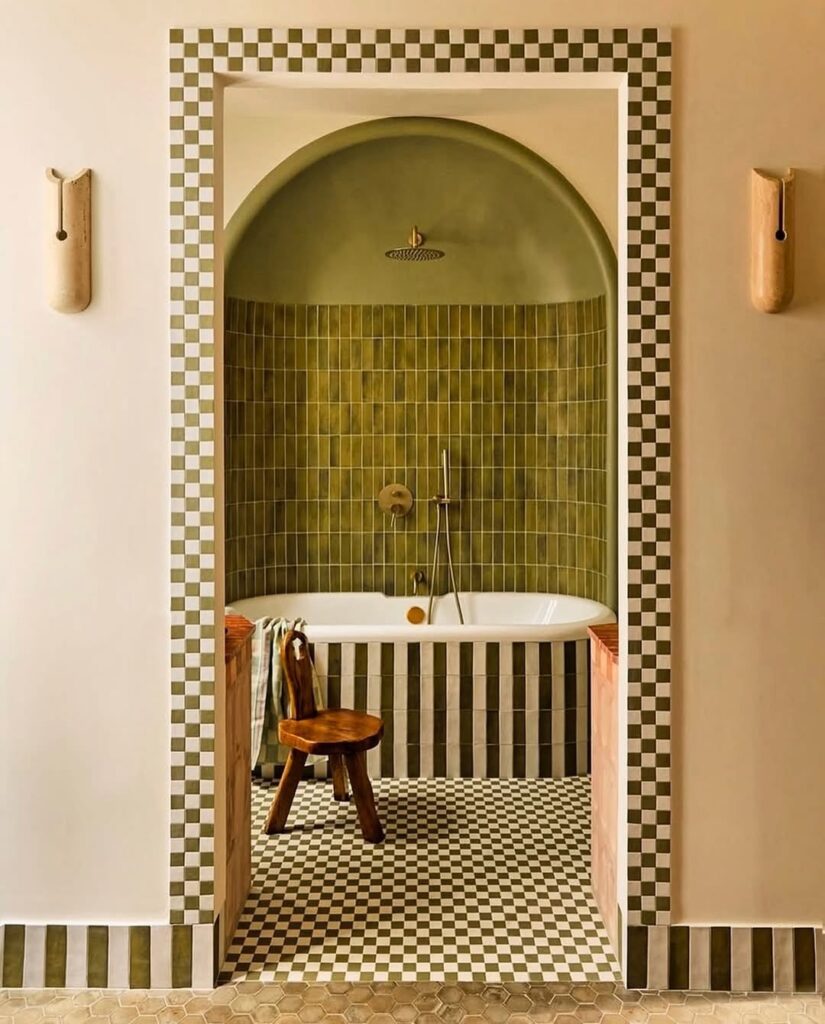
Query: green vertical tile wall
327,404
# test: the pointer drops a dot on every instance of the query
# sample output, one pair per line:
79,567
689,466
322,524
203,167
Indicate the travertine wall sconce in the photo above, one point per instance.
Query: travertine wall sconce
772,240
69,247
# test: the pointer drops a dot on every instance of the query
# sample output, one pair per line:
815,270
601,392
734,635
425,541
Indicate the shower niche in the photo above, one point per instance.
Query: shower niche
490,333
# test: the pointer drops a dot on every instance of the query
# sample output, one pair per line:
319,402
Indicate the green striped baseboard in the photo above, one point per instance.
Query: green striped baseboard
107,956
678,957
726,959
472,710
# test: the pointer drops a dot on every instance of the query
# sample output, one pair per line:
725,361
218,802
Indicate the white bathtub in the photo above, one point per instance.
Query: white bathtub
359,617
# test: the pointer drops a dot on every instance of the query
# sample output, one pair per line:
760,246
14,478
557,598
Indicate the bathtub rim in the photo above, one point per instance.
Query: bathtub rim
448,633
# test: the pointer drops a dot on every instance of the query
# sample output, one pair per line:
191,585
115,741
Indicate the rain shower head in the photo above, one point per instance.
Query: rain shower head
414,249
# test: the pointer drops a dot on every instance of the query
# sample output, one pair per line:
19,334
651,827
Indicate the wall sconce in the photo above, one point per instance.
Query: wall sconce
772,240
69,251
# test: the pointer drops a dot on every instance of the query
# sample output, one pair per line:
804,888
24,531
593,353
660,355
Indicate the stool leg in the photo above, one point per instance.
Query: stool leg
339,778
364,799
279,811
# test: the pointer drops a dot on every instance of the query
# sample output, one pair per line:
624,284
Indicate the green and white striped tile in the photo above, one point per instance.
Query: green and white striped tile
471,710
106,956
726,958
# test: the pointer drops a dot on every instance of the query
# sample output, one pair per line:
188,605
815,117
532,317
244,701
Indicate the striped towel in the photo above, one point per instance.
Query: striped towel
270,699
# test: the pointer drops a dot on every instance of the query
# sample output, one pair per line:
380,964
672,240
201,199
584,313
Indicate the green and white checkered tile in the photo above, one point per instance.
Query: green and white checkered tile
197,56
477,880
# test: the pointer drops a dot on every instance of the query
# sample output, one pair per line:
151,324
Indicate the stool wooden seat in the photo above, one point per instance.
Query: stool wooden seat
343,735
332,732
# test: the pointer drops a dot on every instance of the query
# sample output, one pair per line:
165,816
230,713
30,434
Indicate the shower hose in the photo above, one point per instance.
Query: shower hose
438,507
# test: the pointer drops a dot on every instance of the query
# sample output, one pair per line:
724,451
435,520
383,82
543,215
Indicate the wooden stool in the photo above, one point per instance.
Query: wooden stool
344,736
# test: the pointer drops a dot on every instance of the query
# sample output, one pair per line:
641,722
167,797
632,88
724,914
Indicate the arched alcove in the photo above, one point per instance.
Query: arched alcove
514,230
346,371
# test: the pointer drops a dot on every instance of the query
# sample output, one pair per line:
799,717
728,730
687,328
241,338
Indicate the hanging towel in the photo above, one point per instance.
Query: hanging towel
270,700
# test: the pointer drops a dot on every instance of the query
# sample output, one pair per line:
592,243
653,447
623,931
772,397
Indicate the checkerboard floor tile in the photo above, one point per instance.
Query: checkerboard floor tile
478,879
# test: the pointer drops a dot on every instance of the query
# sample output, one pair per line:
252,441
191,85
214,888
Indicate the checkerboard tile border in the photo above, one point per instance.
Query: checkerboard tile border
197,55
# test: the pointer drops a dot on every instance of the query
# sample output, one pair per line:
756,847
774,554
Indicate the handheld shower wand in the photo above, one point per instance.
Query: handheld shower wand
442,501
445,465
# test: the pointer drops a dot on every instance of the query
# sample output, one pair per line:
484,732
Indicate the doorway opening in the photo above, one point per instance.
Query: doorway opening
345,373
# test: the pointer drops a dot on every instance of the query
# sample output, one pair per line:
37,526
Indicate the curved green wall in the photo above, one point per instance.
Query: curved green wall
513,229
308,243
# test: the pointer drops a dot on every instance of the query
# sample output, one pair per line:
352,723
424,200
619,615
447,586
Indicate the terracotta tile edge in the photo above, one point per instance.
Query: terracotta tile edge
239,630
607,637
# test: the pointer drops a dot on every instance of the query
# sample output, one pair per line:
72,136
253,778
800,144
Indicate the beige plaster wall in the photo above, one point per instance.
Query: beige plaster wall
84,455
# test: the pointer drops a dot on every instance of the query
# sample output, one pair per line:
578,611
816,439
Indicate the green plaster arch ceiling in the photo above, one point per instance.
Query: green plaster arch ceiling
513,229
